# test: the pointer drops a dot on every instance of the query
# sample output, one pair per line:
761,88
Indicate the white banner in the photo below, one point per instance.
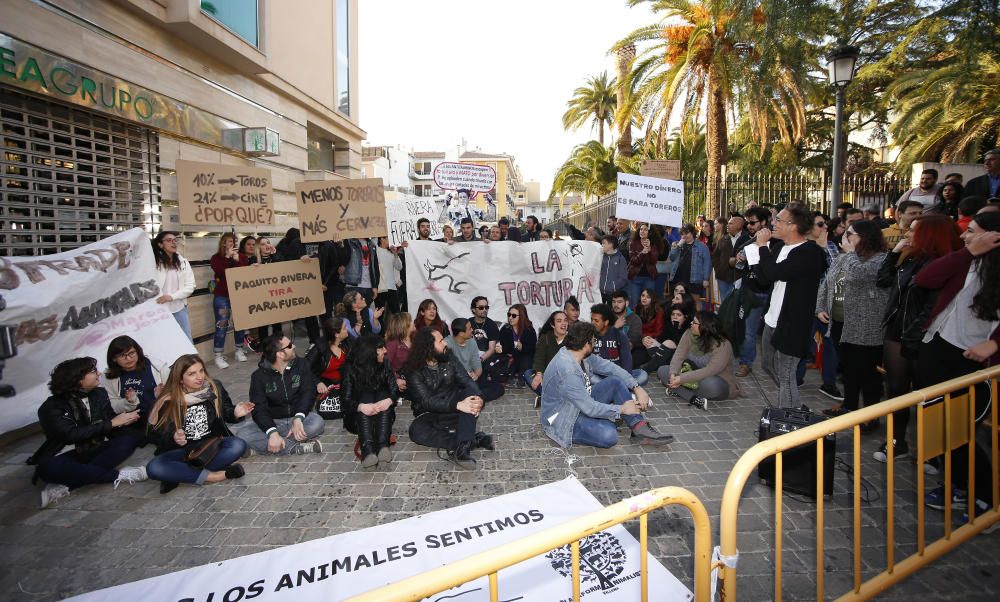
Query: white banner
402,217
337,567
542,275
71,305
651,200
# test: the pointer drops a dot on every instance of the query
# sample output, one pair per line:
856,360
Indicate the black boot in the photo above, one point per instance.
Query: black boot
483,441
383,429
462,457
167,487
368,458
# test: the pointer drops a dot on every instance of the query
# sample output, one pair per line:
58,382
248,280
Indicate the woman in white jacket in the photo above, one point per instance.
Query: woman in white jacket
174,277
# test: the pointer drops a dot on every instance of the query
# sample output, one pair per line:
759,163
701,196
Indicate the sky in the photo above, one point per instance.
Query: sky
497,74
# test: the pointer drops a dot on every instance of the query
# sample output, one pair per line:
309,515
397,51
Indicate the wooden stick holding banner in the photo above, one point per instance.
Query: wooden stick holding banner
341,209
209,194
275,292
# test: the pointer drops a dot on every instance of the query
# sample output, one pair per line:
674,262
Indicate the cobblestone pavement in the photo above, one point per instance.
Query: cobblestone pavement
98,537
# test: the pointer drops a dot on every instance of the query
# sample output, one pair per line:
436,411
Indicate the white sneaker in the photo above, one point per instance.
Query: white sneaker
240,356
220,362
132,474
52,493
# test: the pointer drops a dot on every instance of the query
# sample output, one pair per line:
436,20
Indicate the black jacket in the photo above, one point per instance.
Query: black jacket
439,391
164,437
751,274
978,186
319,357
801,271
66,421
281,395
909,307
521,359
351,390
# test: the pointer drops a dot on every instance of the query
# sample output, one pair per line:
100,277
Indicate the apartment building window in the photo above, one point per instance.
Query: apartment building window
319,150
343,57
238,16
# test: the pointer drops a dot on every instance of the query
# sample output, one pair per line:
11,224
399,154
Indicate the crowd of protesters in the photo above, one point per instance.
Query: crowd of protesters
911,297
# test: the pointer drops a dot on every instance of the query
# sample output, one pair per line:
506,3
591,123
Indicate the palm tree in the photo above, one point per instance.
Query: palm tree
624,57
594,102
592,171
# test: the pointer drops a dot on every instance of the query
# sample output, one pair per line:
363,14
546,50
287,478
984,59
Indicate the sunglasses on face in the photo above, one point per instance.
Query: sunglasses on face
753,223
512,315
288,346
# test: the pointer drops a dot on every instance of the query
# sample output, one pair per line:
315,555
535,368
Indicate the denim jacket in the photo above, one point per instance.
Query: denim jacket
352,271
701,262
565,395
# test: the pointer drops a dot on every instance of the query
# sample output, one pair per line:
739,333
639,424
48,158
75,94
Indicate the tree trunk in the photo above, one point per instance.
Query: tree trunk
623,119
600,132
716,145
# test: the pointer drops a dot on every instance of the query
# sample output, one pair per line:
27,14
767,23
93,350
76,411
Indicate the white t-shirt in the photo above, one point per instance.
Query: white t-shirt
778,292
957,323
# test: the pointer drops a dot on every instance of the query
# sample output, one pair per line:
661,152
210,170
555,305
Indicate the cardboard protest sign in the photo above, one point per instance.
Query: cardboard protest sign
403,216
274,292
341,209
209,194
667,169
650,200
456,176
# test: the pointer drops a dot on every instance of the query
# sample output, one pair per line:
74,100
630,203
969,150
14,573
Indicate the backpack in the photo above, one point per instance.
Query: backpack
733,312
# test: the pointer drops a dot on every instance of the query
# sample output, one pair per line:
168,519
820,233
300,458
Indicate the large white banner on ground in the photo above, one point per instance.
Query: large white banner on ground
71,305
652,200
340,566
542,275
402,218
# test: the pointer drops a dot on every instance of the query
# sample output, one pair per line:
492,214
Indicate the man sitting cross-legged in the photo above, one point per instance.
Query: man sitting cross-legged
576,411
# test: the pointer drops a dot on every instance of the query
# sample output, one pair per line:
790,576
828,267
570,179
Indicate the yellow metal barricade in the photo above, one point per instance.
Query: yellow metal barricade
491,562
958,428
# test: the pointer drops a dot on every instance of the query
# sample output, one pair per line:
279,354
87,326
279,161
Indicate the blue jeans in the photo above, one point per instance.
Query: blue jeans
184,321
527,376
725,288
661,285
830,357
640,376
748,351
170,467
223,319
248,431
600,432
635,286
71,470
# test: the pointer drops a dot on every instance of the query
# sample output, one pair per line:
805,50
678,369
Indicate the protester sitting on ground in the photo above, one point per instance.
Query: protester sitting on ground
227,256
133,380
644,249
614,268
79,413
283,391
661,347
427,315
550,341
398,340
466,352
358,316
708,356
964,336
328,363
369,400
487,334
572,309
611,343
650,313
445,401
686,302
188,417
517,344
904,320
174,277
629,323
579,408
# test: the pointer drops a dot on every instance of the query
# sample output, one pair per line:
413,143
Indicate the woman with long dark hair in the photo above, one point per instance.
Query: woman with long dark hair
517,344
427,315
947,199
133,380
643,251
904,322
661,347
174,276
964,336
701,368
226,256
650,312
358,316
192,409
550,341
328,362
369,400
851,303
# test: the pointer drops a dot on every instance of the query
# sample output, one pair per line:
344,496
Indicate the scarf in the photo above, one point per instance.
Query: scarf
203,395
698,345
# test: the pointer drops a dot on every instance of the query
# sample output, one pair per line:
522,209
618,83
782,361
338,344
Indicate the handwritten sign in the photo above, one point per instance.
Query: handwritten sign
341,209
650,200
404,215
275,292
210,194
456,176
668,169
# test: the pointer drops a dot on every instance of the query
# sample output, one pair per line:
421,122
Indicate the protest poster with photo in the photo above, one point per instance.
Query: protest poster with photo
210,194
345,565
542,275
650,200
465,176
404,215
275,292
72,304
341,209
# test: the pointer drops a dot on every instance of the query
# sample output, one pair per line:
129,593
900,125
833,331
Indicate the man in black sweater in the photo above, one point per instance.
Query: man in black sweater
795,271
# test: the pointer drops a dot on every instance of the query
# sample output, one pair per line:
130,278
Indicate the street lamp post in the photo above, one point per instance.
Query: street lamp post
840,64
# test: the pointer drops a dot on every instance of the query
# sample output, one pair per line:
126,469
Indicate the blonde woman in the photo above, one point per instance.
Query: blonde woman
191,409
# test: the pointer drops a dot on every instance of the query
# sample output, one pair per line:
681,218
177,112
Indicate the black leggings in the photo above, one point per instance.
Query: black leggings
899,376
861,378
